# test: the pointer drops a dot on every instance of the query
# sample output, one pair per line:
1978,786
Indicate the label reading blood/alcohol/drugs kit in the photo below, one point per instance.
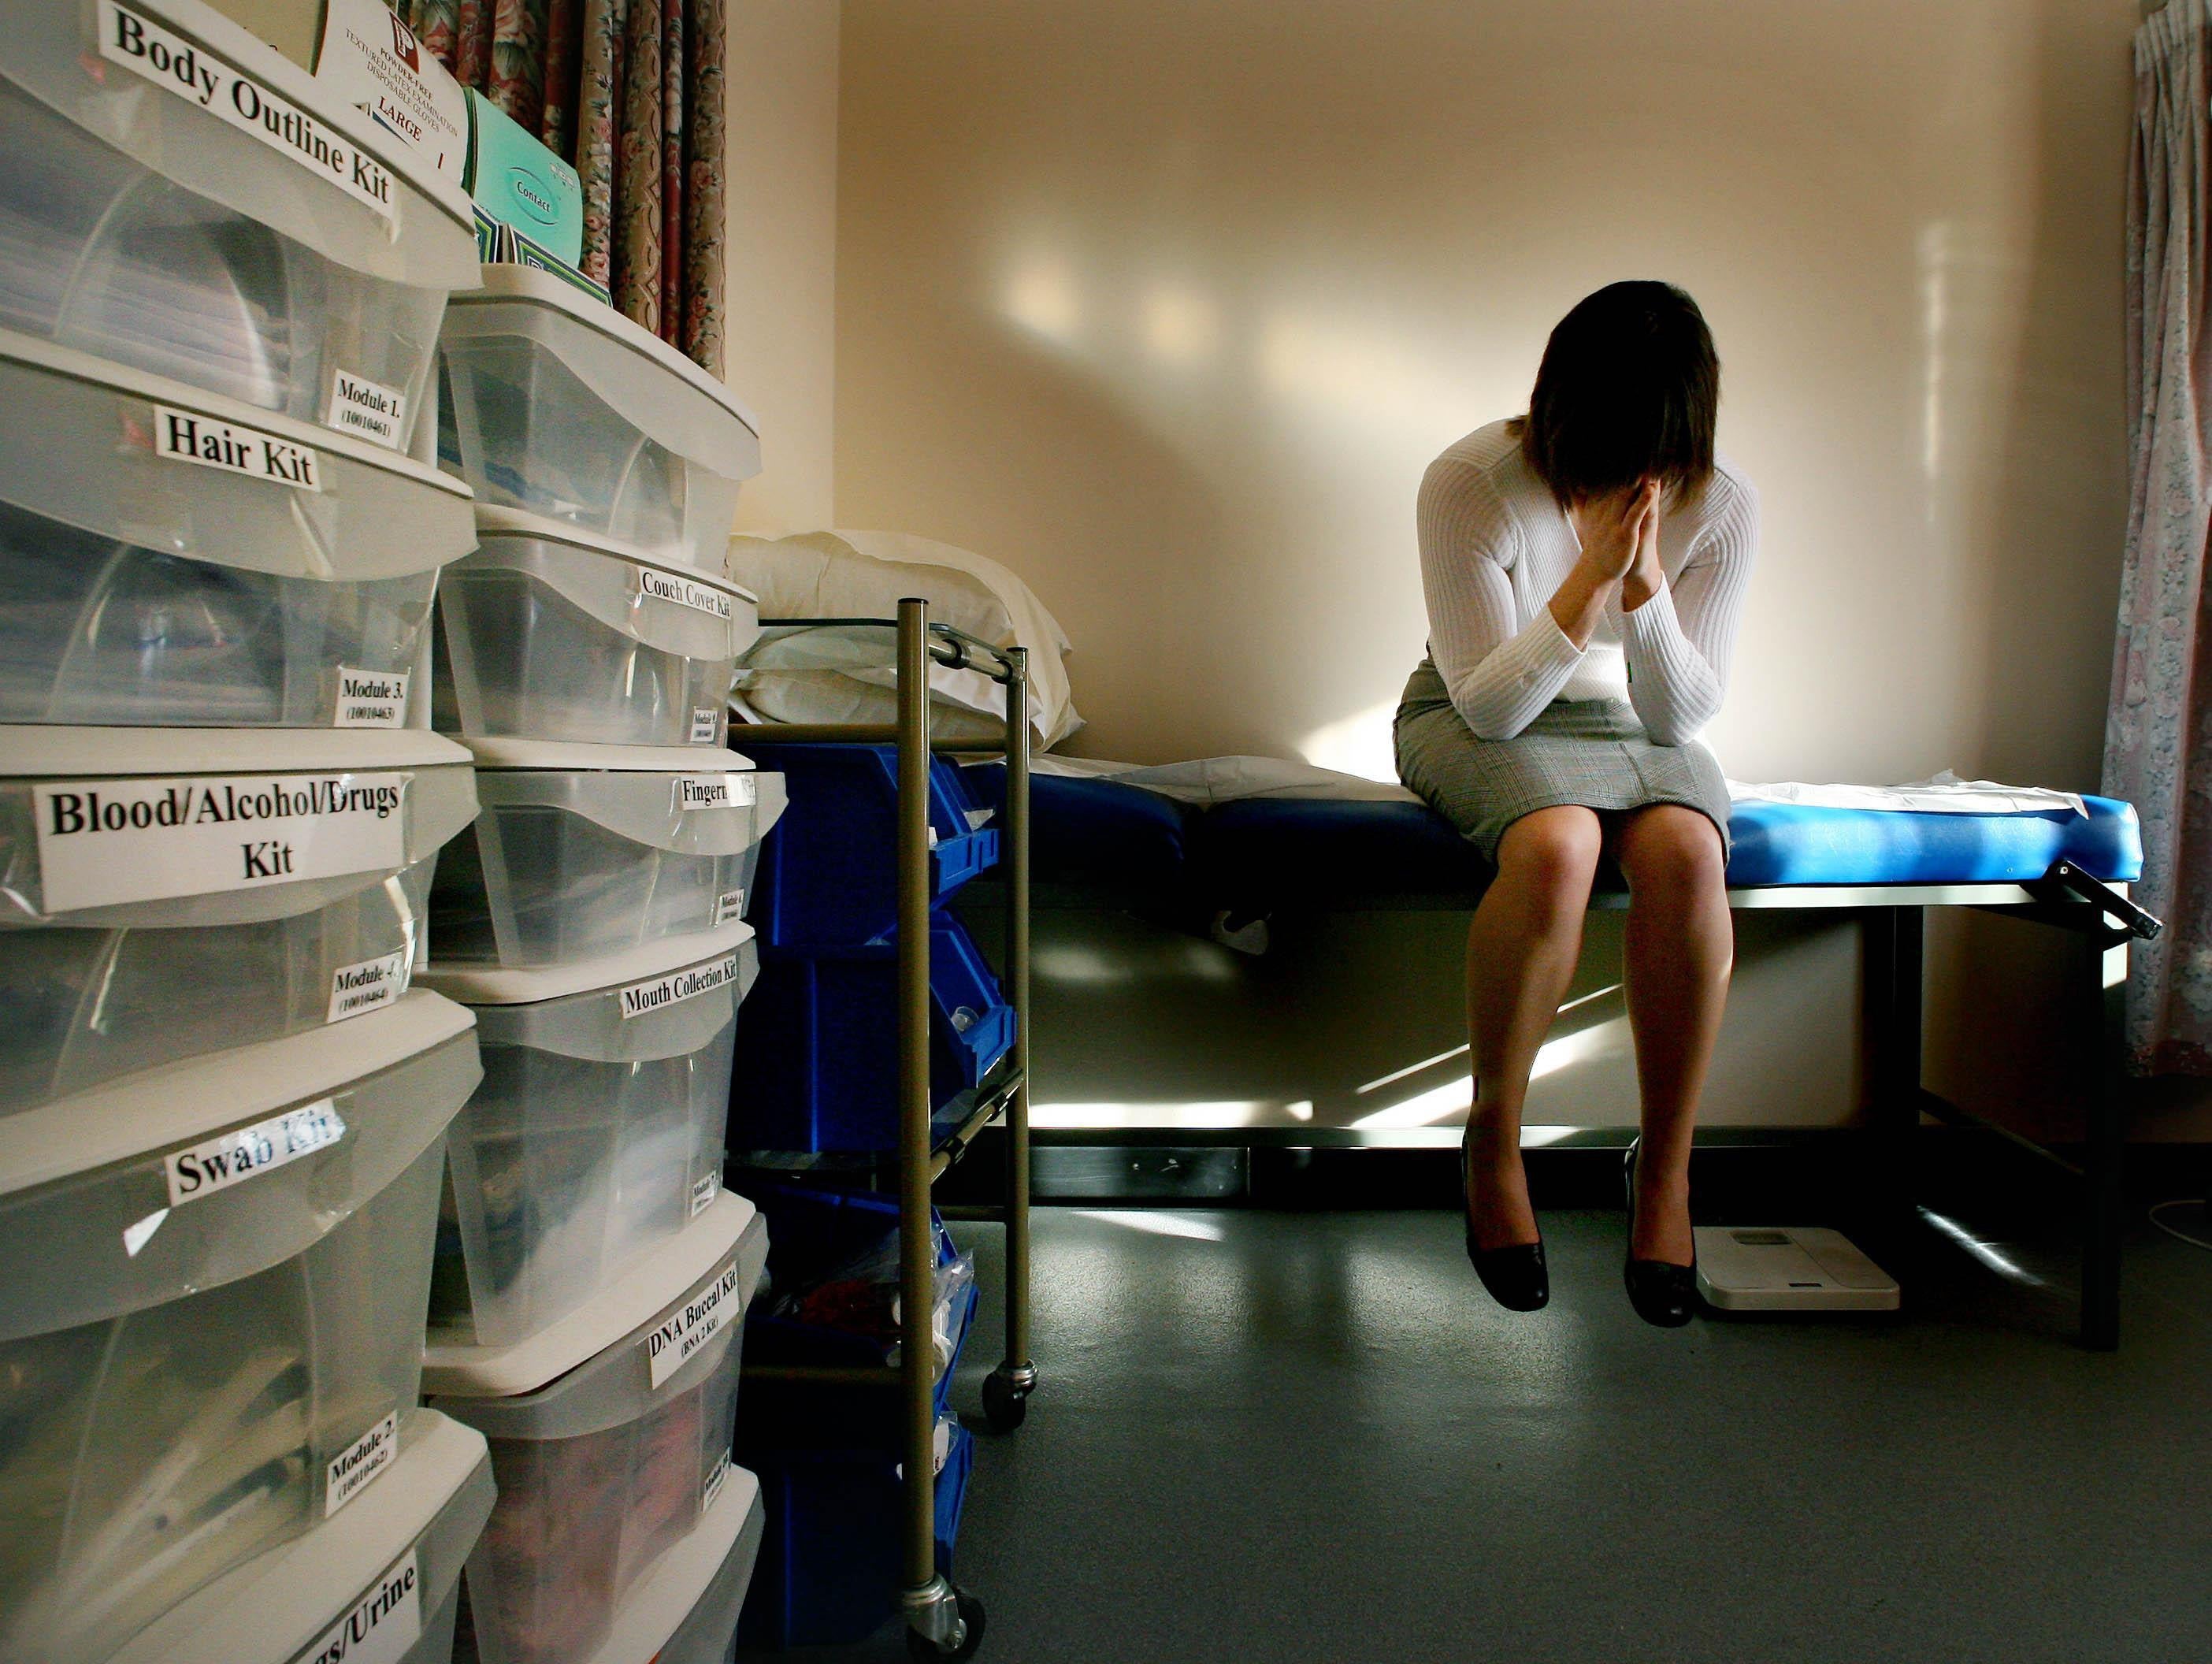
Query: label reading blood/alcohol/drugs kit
661,992
711,792
678,1341
358,405
364,987
704,1189
372,699
235,448
358,1463
674,588
231,96
730,904
253,1150
109,842
705,719
381,1630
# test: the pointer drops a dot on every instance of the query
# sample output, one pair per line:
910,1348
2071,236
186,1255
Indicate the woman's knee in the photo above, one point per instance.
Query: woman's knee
1670,849
1552,854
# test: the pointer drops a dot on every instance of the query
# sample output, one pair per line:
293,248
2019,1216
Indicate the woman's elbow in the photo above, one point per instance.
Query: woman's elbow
1485,724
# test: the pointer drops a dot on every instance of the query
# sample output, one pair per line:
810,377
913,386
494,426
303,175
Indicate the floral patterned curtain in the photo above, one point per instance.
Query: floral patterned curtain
2158,730
629,92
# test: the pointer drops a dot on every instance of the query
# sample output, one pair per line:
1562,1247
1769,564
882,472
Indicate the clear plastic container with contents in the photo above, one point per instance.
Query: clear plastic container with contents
596,1137
590,850
142,226
356,1587
209,1338
169,558
559,407
552,635
613,1466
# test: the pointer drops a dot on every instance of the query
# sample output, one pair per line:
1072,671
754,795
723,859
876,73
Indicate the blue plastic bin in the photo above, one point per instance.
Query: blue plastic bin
829,1567
817,1043
826,877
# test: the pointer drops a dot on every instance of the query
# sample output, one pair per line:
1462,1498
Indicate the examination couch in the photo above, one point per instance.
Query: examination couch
1243,862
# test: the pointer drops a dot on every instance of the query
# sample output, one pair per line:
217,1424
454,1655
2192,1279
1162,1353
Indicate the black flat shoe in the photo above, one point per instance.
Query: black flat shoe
1662,1293
1516,1275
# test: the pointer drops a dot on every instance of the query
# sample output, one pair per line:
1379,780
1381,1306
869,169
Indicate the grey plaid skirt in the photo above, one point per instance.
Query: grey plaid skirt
1593,752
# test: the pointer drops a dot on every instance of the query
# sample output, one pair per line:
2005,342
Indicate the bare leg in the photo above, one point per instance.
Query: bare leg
1679,948
1521,953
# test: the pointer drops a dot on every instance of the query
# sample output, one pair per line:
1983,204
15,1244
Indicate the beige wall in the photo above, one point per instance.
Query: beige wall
783,252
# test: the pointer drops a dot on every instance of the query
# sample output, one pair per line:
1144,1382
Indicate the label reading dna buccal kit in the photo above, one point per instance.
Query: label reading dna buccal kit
372,699
730,904
370,409
193,73
380,1631
104,842
235,448
677,1341
703,722
679,590
367,985
640,998
253,1150
359,1462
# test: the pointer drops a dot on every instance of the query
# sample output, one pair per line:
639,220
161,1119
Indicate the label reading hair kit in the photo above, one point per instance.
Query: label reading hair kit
104,842
677,1341
191,72
235,448
253,1150
640,998
382,1628
653,583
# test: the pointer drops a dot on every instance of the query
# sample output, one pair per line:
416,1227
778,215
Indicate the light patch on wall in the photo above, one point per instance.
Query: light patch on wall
1179,325
1357,744
1235,1112
1041,295
1366,379
1452,1100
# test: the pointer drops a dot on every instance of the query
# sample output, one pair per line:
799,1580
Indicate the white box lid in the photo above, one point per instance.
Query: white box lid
497,985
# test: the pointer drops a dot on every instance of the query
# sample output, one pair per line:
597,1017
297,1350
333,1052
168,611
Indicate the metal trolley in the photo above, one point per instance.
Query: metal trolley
943,1620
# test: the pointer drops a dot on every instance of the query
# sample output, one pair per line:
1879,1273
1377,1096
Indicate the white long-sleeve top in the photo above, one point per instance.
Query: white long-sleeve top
1495,547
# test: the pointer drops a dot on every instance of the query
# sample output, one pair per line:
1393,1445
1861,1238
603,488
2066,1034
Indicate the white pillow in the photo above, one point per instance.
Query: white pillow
863,574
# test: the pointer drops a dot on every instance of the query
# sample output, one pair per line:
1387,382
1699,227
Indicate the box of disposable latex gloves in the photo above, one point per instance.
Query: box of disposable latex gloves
520,182
501,245
372,60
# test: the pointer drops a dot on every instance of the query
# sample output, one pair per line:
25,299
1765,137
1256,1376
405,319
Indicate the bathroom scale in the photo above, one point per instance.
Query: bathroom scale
1788,1268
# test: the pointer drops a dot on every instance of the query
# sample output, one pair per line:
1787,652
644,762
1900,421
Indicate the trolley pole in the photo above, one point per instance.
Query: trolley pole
917,1248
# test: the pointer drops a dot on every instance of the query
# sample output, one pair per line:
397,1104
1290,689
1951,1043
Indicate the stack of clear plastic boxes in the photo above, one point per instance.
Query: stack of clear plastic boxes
591,1276
223,1107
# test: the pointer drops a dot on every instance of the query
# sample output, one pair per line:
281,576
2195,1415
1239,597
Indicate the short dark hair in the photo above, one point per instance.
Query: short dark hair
1628,390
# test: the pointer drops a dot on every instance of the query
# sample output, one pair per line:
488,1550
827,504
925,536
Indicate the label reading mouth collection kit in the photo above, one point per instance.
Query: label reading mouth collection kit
662,992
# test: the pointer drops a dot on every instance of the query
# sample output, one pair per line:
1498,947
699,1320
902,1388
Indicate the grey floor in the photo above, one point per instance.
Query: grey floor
1291,1437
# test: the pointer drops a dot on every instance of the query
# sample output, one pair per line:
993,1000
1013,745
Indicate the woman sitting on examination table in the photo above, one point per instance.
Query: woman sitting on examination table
1585,565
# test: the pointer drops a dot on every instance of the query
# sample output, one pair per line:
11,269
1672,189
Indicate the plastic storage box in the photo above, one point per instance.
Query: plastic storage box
554,635
380,1581
561,407
597,1135
829,1559
589,850
168,558
829,880
109,828
208,1338
817,1043
300,268
606,1468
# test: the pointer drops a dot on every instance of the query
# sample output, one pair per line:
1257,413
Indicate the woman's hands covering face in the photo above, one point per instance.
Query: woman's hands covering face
1616,530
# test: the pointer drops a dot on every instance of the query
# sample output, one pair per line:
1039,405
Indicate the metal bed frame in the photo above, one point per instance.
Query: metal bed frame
943,1620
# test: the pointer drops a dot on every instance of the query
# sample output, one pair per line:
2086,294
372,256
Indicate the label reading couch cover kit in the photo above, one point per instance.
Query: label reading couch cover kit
196,75
235,448
358,405
249,1151
677,1341
381,1630
104,842
367,986
653,583
346,1473
640,997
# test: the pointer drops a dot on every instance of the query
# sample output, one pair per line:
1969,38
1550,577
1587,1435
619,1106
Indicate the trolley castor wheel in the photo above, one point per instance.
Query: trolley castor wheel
1006,1400
919,1645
